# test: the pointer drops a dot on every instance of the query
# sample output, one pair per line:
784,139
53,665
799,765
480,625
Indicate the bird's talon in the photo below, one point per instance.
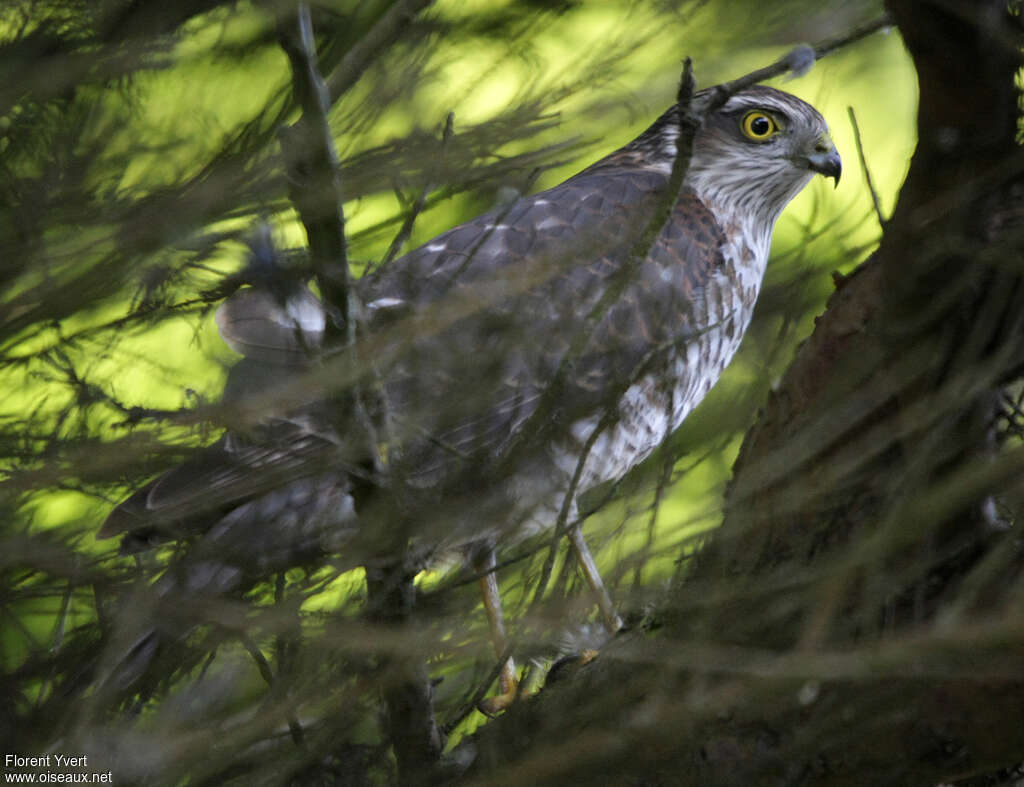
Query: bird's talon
588,656
492,706
510,689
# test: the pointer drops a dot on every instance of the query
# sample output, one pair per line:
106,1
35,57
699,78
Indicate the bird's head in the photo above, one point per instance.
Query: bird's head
756,152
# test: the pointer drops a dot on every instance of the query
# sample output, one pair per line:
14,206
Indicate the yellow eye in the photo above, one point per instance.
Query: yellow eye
759,126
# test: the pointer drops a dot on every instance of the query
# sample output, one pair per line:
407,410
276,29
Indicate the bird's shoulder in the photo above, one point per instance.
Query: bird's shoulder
597,212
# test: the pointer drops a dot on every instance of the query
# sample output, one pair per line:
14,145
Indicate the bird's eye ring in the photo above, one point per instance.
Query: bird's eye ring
759,126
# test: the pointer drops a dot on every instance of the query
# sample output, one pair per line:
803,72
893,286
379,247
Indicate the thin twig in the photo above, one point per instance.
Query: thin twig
797,60
57,643
609,417
406,229
370,45
668,463
864,166
829,46
688,125
267,673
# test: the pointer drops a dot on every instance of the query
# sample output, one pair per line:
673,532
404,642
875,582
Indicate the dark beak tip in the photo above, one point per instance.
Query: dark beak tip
827,164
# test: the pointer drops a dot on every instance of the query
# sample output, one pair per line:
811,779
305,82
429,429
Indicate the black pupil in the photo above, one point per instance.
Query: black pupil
760,125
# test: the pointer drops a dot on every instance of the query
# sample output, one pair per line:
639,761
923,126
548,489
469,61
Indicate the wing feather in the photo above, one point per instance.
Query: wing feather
551,258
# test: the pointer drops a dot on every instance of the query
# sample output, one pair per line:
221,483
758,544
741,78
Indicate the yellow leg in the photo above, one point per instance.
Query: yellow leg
485,565
612,621
507,684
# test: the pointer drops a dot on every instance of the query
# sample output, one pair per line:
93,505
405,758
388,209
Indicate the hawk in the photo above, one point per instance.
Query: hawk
514,361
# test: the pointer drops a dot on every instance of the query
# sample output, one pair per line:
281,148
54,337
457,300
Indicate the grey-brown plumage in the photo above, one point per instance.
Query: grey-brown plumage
508,344
542,354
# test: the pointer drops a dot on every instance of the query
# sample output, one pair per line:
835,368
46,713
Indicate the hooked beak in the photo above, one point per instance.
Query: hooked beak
824,160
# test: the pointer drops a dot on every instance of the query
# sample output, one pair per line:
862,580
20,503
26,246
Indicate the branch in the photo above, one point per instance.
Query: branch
369,47
798,61
405,231
314,181
864,166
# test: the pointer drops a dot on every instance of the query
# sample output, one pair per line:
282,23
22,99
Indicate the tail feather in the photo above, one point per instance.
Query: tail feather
255,324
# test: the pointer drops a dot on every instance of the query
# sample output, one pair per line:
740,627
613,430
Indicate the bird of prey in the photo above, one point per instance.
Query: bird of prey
512,362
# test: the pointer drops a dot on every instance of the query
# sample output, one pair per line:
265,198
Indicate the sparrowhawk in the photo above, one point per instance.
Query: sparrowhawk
523,353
